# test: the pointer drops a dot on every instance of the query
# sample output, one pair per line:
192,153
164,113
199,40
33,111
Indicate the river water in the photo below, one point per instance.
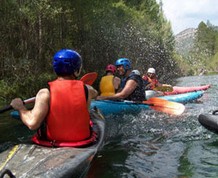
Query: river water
150,144
156,145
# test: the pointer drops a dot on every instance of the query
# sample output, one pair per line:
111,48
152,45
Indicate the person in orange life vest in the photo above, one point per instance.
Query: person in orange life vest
132,87
65,105
151,81
109,83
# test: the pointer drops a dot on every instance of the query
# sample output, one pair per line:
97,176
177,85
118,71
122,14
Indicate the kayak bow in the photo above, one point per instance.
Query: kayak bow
30,160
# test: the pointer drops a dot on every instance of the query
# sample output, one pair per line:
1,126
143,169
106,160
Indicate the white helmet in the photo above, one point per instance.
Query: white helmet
136,72
151,70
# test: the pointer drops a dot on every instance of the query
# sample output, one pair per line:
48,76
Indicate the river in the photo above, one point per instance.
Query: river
150,144
156,145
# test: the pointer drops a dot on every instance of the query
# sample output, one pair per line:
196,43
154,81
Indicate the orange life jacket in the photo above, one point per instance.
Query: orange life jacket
68,118
153,81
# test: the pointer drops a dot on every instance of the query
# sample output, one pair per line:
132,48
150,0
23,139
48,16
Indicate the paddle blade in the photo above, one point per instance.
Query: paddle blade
165,106
89,78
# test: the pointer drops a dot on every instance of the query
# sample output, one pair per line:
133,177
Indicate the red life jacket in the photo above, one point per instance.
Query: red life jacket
153,81
68,120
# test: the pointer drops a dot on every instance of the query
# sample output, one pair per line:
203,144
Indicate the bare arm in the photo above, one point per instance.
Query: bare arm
33,118
116,83
92,94
128,89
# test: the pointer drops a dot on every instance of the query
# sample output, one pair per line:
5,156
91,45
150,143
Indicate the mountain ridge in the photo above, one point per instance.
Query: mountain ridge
184,41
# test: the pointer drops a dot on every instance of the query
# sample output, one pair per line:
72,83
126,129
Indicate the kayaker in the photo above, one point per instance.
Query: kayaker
151,81
63,108
132,87
109,83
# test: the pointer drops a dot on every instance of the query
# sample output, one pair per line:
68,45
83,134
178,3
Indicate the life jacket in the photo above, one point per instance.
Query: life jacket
68,121
151,81
139,93
107,86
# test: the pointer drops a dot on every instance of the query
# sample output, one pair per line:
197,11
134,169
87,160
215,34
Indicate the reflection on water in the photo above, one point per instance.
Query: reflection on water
156,145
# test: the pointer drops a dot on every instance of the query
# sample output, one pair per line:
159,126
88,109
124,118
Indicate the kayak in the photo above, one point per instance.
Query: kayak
176,90
179,90
108,107
209,121
31,160
180,98
184,97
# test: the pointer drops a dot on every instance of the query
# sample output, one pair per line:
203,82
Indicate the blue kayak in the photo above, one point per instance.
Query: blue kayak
108,107
185,97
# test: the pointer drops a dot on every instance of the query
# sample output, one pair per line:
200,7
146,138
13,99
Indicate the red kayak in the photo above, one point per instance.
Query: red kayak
179,90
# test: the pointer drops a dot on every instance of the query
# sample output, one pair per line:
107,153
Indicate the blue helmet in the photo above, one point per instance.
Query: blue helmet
124,62
66,62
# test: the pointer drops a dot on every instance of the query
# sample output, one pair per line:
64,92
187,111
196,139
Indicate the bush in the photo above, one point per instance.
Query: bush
24,88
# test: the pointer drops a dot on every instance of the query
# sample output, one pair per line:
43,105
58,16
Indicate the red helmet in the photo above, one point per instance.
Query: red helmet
111,68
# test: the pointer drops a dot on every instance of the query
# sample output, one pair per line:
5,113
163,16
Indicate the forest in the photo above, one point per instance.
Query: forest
100,30
205,50
200,54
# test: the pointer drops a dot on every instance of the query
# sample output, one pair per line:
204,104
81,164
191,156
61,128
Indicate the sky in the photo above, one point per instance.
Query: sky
185,14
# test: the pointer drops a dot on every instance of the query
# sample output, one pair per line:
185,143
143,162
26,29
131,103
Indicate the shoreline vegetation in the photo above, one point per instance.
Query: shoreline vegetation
101,31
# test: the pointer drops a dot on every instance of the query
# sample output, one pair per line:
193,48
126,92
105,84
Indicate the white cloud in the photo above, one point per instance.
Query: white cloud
189,13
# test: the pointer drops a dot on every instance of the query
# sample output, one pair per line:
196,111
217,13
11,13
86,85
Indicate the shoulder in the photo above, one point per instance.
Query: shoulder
43,94
133,79
107,77
44,91
133,76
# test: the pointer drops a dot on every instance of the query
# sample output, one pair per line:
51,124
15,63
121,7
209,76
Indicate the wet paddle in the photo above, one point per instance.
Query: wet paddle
165,106
88,79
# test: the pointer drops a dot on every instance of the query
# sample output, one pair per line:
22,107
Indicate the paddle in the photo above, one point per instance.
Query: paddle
165,106
88,79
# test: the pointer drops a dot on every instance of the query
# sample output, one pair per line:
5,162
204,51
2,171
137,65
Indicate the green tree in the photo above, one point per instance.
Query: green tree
101,30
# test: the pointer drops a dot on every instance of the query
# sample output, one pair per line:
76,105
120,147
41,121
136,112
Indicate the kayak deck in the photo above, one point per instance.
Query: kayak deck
30,160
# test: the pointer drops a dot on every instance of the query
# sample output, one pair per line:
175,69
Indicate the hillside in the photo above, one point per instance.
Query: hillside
198,49
184,41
